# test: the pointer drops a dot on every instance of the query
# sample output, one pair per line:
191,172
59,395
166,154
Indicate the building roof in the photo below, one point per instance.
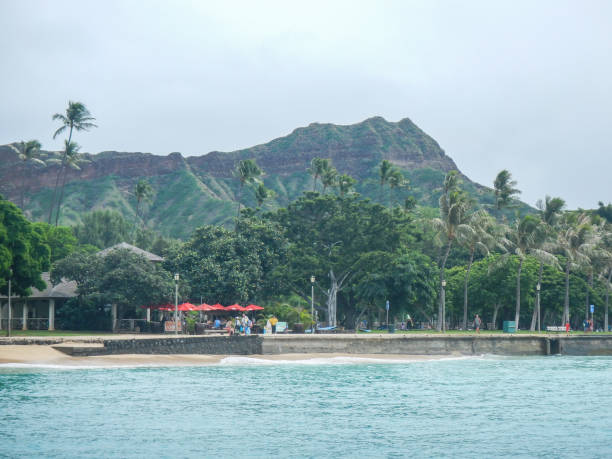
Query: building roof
65,289
124,245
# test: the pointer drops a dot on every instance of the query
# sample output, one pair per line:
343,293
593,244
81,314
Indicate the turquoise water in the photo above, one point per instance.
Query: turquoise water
475,407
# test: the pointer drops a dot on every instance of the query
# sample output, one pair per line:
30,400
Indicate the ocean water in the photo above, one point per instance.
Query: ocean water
339,407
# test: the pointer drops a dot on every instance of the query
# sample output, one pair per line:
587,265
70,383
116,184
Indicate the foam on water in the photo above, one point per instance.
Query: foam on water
336,360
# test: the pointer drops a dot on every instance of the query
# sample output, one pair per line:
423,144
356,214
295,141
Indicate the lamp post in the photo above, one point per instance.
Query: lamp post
538,303
8,328
176,279
312,282
443,319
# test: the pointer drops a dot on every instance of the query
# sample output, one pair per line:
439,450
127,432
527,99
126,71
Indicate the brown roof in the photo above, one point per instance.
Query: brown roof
124,245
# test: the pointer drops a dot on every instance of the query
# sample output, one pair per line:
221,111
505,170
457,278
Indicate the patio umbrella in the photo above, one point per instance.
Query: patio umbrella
186,307
235,307
253,307
218,307
205,307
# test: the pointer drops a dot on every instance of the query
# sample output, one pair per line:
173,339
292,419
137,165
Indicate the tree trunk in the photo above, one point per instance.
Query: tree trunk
518,294
607,299
566,303
536,308
441,300
52,206
331,299
496,307
465,289
23,184
589,286
61,197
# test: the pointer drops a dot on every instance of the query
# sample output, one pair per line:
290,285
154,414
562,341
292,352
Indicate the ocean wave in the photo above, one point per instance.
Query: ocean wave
335,360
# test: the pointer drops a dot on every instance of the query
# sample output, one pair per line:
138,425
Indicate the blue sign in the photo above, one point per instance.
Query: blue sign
592,308
387,305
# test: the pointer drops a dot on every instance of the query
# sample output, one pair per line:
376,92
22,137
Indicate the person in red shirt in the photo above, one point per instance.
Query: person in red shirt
567,327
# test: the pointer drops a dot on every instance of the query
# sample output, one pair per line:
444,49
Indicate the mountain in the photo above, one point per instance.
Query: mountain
195,190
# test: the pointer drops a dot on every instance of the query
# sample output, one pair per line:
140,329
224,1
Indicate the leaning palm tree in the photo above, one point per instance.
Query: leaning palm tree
479,234
575,242
316,169
247,171
504,189
396,181
143,192
72,160
604,264
77,118
27,152
262,194
454,206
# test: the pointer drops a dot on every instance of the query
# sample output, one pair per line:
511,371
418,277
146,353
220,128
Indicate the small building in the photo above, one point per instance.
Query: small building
37,312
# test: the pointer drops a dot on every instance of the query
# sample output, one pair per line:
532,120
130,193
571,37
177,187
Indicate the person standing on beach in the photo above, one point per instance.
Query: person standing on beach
567,327
477,323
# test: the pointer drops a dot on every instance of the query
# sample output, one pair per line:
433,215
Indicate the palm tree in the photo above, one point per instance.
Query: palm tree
384,172
605,264
550,209
143,192
454,205
262,194
478,234
575,241
77,118
27,152
396,181
505,192
316,169
345,183
528,237
328,176
72,160
247,171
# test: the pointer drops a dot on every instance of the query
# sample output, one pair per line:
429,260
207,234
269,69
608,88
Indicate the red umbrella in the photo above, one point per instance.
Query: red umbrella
205,307
253,307
218,307
235,307
187,307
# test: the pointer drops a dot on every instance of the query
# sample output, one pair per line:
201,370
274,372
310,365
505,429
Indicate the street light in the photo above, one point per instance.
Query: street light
443,328
312,282
8,328
176,279
538,303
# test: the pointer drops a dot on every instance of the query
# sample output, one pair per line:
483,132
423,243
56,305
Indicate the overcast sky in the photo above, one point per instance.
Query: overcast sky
525,86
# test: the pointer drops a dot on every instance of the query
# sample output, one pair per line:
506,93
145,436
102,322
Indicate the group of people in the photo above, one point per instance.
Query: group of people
239,325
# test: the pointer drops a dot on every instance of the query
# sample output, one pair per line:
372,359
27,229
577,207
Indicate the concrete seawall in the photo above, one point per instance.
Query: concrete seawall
406,344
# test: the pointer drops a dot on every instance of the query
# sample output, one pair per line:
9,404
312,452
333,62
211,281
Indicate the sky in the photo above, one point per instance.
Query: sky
518,85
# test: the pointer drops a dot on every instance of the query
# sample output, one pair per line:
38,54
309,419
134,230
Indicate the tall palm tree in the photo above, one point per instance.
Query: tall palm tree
77,118
528,237
575,241
316,169
247,171
28,153
72,160
478,235
504,189
262,194
604,262
454,205
550,210
143,192
328,176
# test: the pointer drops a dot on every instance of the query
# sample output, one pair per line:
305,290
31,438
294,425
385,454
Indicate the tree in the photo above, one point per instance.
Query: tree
345,183
317,167
478,235
24,255
505,192
396,181
28,153
77,118
574,240
143,192
528,236
454,205
72,160
329,176
262,194
103,228
60,239
605,211
246,171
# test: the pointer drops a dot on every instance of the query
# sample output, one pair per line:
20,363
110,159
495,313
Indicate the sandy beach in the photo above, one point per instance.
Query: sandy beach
45,355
